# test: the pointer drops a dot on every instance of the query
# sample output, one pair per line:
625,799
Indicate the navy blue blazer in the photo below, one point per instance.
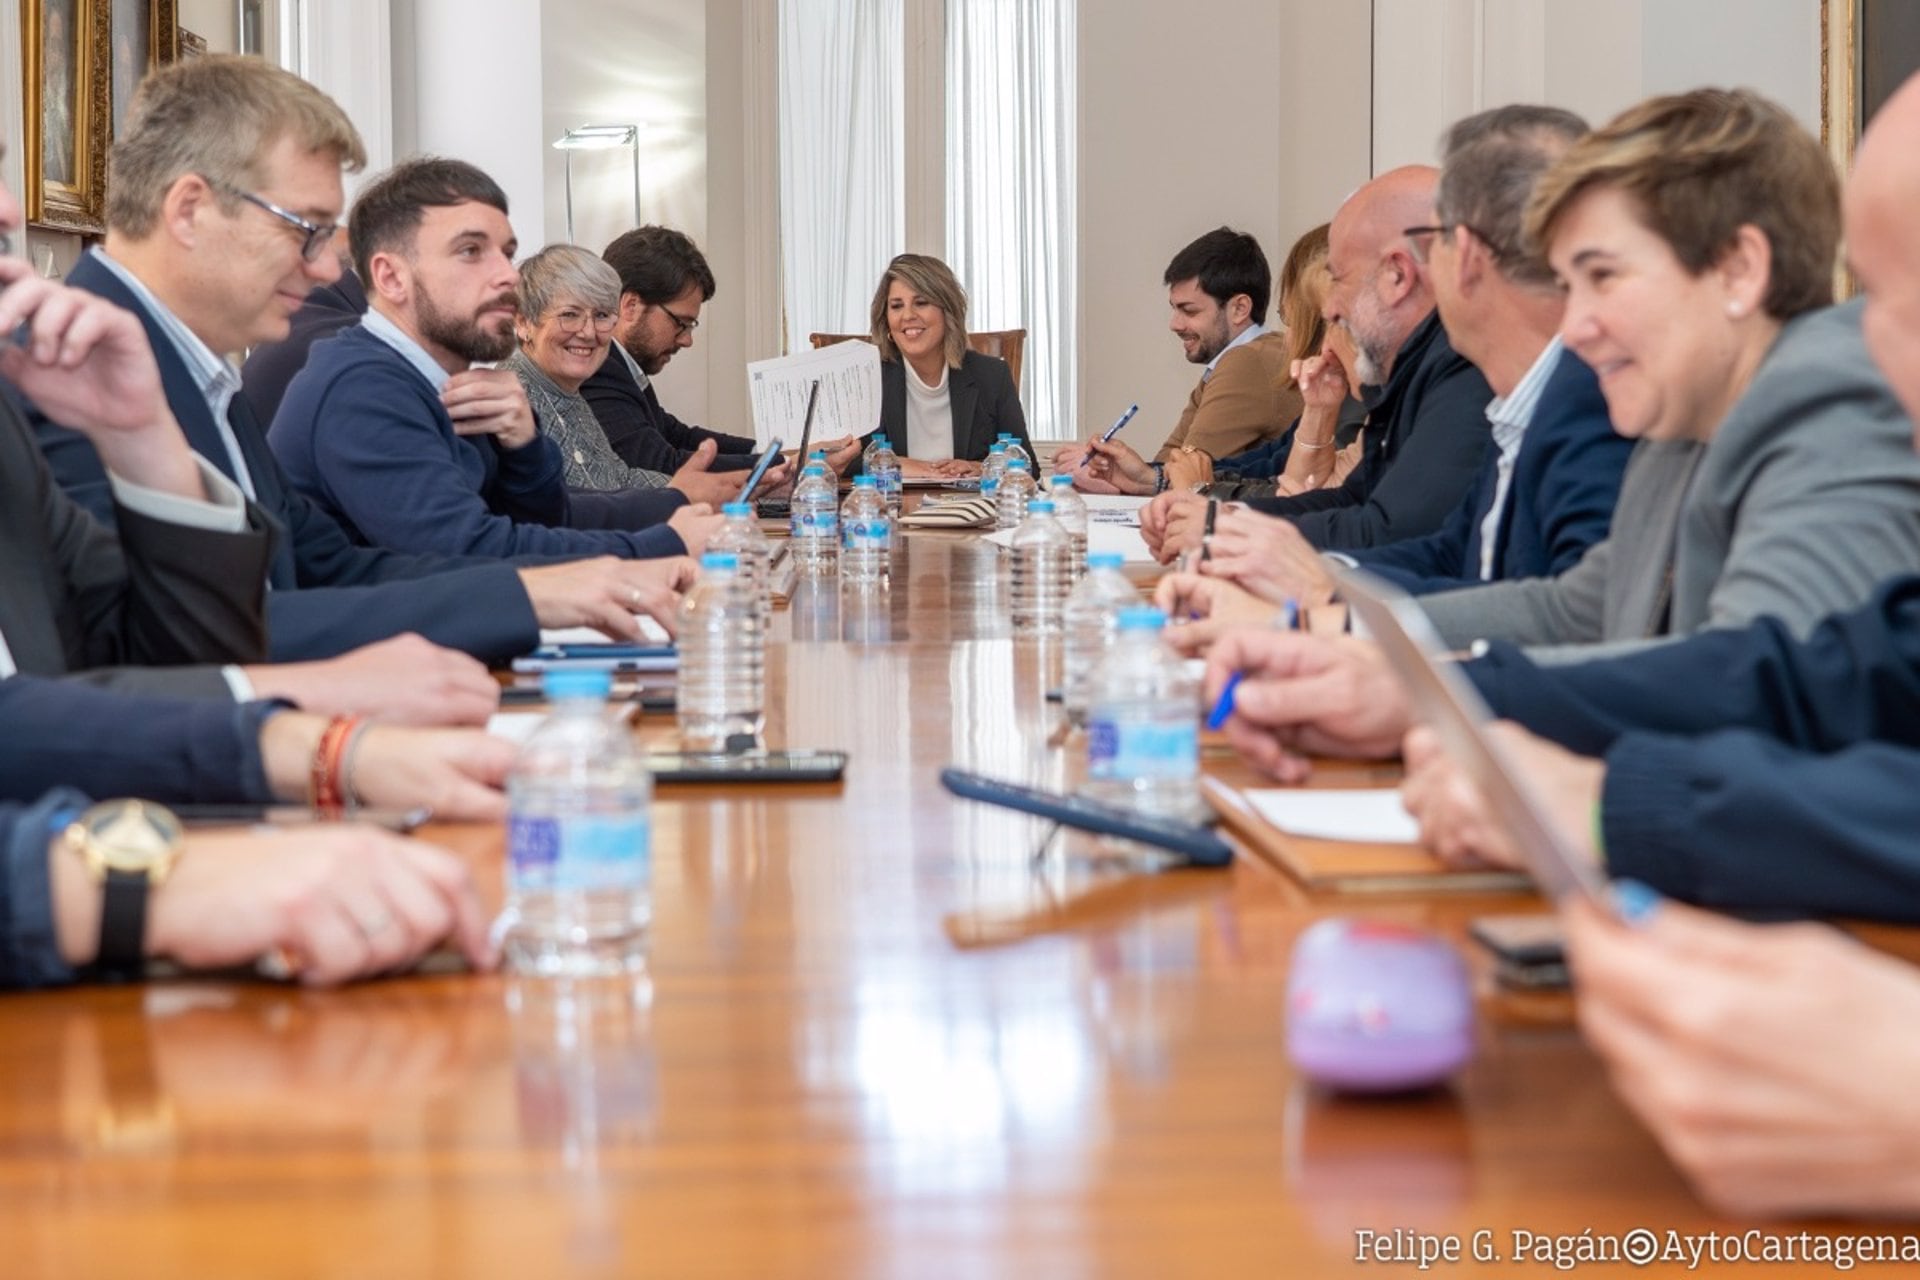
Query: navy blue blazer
1748,770
981,395
644,434
328,595
1566,479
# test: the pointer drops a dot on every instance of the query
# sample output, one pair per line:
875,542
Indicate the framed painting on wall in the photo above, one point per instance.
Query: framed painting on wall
145,34
1868,48
66,100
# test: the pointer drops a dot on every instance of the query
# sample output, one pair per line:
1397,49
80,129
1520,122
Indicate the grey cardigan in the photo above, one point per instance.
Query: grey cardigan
1806,497
568,420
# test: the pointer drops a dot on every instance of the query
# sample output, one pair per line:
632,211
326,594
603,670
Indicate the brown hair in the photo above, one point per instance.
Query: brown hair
1303,288
216,116
933,280
1700,166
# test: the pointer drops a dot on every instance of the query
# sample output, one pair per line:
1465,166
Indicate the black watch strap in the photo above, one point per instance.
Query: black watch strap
123,927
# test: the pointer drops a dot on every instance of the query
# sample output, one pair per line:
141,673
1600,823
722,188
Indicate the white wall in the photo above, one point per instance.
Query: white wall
1182,131
1436,60
640,62
474,75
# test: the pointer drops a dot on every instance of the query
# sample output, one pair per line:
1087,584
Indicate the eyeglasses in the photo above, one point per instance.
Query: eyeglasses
315,237
573,320
686,324
1417,237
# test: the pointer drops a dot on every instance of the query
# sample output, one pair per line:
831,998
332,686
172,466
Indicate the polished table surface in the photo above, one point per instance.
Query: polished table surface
877,1039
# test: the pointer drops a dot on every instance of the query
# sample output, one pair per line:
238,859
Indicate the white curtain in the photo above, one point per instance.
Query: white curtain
1010,186
842,143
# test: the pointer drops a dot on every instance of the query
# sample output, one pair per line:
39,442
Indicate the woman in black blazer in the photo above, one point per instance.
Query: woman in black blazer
941,404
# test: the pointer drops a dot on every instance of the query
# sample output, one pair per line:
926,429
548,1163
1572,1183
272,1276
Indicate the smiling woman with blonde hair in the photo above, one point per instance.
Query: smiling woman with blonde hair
942,403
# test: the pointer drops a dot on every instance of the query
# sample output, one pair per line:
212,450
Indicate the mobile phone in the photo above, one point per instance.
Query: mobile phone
748,766
774,509
600,657
1528,950
200,817
1200,847
651,697
767,459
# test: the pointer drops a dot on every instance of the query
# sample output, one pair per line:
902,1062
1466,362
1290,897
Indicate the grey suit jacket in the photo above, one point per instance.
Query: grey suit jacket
1806,497
75,599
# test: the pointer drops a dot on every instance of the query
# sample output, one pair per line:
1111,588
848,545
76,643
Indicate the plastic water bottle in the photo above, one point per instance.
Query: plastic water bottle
1014,448
1143,730
1016,489
884,467
1042,572
1090,617
866,534
814,521
994,467
579,840
723,651
742,535
1070,509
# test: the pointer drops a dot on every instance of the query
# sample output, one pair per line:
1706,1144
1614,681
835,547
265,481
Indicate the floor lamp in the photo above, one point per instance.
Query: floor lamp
600,137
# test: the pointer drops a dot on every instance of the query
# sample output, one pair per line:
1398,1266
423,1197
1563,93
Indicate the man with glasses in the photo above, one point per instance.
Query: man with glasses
225,188
400,430
664,281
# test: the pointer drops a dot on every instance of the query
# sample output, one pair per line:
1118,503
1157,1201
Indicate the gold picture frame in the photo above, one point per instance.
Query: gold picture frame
1840,80
66,173
158,21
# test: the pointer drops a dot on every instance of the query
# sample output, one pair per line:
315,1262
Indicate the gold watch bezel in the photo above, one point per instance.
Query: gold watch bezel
137,837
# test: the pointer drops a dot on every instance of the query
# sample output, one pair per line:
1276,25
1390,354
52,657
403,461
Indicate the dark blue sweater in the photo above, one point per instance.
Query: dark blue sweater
364,435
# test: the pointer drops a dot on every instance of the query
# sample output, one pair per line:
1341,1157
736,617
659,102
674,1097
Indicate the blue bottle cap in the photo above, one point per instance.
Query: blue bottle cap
561,686
1018,464
1039,506
816,455
724,561
737,509
999,446
1060,482
1105,560
864,482
1141,617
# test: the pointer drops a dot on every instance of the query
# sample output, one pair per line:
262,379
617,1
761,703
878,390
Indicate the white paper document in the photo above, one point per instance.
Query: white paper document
1370,816
651,632
849,374
515,726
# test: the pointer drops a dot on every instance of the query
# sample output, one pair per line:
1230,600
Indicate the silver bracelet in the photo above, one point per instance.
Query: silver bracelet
1306,444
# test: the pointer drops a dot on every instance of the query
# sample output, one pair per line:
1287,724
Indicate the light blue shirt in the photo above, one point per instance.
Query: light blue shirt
1247,335
414,354
216,378
1510,415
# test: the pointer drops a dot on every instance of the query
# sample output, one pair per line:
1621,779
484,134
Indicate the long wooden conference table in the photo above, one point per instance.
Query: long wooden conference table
877,1039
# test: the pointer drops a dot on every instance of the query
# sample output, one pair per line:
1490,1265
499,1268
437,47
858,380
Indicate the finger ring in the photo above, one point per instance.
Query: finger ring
635,597
371,926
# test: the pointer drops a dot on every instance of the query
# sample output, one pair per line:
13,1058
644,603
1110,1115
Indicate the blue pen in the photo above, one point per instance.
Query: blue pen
1290,614
1113,430
1217,719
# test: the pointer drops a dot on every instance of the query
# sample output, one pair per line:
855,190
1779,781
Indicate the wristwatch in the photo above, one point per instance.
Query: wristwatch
127,847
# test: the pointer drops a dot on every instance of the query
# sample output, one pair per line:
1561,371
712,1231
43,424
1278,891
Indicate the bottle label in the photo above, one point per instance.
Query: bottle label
583,852
870,532
1120,750
816,525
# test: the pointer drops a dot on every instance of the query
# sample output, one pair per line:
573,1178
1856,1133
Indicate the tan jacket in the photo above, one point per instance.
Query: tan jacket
1246,401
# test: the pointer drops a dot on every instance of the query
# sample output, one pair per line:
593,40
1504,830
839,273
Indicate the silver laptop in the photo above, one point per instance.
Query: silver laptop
1449,704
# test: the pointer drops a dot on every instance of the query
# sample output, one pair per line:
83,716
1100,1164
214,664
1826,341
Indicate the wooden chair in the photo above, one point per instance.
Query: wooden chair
1005,344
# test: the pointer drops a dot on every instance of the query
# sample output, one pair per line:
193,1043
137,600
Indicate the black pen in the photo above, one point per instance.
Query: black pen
1206,533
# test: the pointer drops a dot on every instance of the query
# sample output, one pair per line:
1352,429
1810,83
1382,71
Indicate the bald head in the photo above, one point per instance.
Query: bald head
1884,246
1377,291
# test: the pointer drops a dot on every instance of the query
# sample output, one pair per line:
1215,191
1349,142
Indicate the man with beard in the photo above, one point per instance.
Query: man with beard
225,183
391,428
1217,291
1426,431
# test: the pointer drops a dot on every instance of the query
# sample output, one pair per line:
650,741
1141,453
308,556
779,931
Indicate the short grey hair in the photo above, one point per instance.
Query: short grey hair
1490,163
565,272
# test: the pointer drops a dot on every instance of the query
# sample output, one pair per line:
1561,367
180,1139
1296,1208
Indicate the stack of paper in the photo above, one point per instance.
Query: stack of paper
849,405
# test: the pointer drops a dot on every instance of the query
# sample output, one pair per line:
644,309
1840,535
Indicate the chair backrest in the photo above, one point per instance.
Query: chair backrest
1004,344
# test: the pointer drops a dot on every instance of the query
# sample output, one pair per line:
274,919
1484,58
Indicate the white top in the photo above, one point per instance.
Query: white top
929,417
1510,415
